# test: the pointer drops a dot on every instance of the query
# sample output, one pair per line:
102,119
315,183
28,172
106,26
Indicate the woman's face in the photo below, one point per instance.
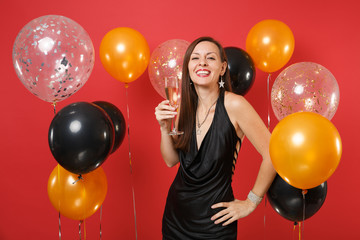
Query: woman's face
205,66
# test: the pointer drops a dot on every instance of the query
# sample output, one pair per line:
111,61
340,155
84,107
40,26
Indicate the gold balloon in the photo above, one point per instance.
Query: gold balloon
305,149
270,43
125,54
77,198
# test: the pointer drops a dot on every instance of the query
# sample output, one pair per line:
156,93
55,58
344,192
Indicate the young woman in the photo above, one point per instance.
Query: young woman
200,202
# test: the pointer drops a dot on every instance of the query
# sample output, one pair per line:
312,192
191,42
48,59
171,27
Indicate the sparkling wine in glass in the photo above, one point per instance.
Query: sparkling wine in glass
173,95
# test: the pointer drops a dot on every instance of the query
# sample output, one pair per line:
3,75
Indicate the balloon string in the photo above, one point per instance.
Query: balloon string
128,127
59,227
100,221
268,120
58,177
130,162
304,192
54,104
268,100
299,230
133,193
84,223
80,229
293,236
59,203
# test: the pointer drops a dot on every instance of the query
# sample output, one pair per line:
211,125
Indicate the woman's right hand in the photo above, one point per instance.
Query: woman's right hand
164,114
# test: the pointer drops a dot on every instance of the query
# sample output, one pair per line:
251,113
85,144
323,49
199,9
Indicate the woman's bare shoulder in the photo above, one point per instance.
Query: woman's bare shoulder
234,101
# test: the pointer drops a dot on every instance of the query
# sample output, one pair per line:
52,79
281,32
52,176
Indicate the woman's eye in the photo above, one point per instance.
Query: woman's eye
194,58
211,58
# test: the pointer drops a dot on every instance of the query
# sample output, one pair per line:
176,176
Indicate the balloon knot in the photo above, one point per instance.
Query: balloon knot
79,178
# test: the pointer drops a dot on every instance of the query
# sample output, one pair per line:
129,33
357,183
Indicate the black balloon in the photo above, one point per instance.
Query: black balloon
81,137
118,121
288,201
242,70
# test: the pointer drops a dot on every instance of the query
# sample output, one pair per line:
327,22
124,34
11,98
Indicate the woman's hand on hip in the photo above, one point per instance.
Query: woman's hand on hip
233,211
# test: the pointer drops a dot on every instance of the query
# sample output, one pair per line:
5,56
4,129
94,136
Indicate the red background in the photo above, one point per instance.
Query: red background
326,32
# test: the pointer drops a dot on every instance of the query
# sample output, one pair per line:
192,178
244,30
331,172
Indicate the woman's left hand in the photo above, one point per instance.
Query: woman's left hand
233,211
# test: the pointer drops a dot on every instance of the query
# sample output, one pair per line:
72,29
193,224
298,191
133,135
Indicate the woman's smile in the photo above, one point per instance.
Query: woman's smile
203,73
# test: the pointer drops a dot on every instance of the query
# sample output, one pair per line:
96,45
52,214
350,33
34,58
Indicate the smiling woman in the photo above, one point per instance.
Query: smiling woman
200,202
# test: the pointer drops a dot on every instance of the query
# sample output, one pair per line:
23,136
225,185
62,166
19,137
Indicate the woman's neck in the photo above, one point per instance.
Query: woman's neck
207,97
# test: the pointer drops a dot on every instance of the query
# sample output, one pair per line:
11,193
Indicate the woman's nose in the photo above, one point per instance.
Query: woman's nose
203,62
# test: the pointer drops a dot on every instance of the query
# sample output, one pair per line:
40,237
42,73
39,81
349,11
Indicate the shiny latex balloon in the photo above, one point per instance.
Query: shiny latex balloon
305,86
117,120
81,136
270,43
290,203
166,61
53,57
77,197
124,53
305,149
242,70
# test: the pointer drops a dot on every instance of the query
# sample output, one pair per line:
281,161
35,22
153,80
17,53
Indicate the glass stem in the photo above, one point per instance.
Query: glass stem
173,124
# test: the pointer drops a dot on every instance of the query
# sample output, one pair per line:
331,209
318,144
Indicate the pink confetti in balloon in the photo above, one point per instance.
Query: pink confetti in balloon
165,61
305,87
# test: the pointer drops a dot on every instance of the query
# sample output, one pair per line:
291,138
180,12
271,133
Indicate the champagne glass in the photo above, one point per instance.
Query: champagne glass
173,95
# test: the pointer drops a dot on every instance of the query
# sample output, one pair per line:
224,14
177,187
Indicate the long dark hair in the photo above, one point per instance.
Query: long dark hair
189,98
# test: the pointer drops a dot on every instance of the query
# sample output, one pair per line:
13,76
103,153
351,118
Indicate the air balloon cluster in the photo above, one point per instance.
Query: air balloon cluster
53,56
305,147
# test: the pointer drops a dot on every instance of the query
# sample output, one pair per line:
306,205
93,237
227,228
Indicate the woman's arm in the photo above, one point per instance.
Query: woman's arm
251,125
247,123
164,113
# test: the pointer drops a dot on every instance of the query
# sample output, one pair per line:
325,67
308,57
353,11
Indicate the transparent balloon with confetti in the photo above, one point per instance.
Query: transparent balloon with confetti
166,61
305,87
53,57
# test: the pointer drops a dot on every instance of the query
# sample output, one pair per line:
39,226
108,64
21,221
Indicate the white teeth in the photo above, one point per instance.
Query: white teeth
203,72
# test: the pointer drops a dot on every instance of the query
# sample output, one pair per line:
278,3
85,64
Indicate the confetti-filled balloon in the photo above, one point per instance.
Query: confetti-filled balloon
165,61
53,57
306,87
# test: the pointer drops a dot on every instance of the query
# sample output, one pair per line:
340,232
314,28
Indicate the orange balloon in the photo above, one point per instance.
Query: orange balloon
77,199
305,149
124,54
270,43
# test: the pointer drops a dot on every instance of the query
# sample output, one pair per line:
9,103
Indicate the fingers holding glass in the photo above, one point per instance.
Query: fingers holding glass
164,114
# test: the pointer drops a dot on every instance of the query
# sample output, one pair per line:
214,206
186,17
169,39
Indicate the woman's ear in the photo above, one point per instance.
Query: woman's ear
223,68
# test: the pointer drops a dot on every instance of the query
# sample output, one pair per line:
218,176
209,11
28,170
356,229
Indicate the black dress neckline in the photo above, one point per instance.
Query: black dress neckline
198,148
